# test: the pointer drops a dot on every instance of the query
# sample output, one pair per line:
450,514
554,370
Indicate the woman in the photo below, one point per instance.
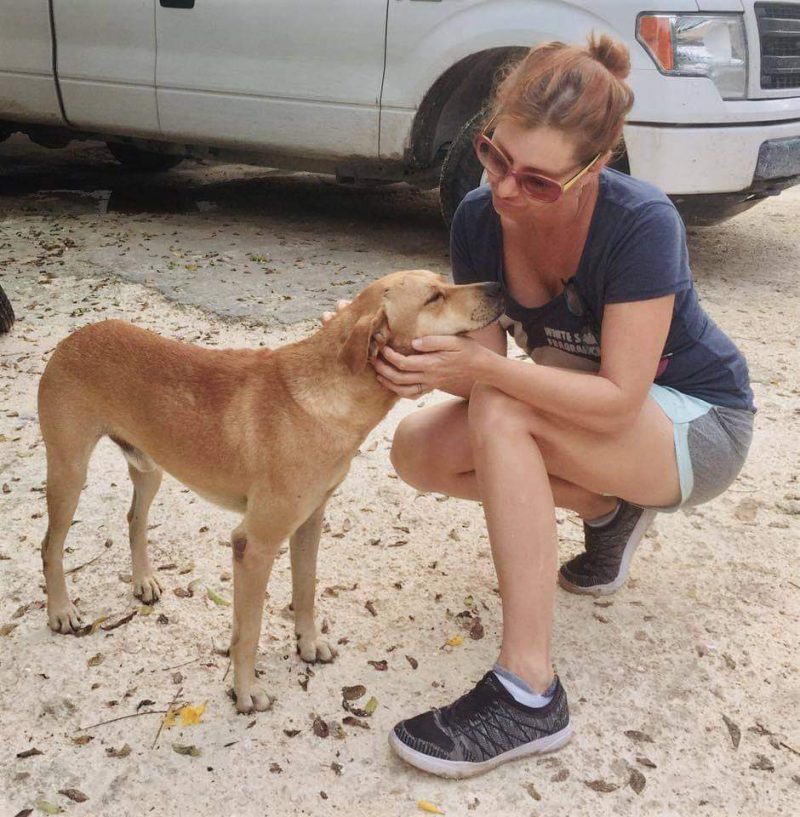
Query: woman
643,403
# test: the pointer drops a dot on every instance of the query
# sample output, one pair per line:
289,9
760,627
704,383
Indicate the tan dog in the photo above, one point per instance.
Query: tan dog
268,433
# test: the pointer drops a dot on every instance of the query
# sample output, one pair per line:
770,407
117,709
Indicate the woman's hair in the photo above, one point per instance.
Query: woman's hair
580,91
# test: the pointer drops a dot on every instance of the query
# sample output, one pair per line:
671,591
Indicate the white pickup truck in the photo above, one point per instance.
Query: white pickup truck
379,91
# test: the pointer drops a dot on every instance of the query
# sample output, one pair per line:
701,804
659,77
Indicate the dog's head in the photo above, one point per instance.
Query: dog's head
405,305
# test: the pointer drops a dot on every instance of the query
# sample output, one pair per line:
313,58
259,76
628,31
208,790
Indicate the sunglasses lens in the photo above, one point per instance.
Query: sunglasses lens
488,155
539,187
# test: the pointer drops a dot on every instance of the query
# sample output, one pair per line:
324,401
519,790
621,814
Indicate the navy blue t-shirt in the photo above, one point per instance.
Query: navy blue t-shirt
635,250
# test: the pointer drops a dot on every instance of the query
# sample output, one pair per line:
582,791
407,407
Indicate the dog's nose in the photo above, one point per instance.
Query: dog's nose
493,289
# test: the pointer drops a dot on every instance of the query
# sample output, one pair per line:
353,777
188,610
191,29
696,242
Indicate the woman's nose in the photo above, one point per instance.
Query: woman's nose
507,187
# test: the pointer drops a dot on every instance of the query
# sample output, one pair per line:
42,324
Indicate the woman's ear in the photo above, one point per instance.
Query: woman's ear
366,339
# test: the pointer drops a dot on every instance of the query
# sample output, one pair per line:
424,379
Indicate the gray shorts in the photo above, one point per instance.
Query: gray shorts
711,443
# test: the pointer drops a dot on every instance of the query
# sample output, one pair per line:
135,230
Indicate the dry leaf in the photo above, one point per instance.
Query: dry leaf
601,786
7,629
191,715
424,805
96,660
192,751
321,729
29,753
74,795
531,789
735,732
122,752
455,641
354,693
637,781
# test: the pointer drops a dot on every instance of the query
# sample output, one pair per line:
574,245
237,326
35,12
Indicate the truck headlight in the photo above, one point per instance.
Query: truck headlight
698,45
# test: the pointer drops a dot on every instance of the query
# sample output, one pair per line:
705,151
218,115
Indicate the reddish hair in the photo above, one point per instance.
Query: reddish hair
580,91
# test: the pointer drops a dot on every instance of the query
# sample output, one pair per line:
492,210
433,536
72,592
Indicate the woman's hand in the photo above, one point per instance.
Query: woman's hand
444,362
340,305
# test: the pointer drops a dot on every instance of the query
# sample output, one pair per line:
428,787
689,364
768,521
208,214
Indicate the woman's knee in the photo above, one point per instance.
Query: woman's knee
410,449
493,412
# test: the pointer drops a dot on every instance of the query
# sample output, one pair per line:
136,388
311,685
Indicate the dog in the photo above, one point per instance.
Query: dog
267,433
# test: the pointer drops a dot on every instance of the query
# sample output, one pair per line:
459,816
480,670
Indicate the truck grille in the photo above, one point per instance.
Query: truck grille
779,30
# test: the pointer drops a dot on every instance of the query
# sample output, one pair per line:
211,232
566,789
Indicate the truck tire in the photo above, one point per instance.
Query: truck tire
461,170
6,313
146,161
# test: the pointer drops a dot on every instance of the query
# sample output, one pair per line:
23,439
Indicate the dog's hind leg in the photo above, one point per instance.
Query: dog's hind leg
67,461
146,478
304,545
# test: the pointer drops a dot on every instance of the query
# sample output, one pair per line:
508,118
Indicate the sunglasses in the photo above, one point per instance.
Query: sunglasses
534,185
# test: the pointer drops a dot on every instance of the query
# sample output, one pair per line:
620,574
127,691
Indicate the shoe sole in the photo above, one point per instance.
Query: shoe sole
637,534
463,768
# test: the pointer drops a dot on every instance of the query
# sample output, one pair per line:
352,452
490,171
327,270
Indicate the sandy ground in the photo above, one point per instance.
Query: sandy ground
683,687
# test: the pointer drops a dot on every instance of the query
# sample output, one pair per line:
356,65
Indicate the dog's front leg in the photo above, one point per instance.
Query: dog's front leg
303,546
253,555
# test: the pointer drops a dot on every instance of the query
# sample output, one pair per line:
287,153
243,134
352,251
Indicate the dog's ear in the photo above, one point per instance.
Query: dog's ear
368,336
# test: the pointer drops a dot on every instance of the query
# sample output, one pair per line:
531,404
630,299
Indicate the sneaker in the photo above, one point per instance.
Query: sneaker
603,567
481,730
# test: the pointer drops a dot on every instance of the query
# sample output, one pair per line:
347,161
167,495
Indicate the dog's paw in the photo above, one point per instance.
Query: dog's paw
313,649
254,699
147,588
64,618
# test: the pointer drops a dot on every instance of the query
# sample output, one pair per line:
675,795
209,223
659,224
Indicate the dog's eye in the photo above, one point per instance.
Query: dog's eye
437,296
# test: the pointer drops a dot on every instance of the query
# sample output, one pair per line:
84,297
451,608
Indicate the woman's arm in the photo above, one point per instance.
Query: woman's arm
633,338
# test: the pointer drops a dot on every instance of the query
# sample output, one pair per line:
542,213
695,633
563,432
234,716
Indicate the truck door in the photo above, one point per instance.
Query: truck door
27,86
106,62
302,76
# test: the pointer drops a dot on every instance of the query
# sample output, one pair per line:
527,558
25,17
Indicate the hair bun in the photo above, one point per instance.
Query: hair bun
610,53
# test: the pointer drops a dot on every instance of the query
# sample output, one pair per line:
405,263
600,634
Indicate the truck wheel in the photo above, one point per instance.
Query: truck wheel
461,170
6,313
146,161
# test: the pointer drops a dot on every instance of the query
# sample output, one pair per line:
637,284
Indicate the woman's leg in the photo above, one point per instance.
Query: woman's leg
432,451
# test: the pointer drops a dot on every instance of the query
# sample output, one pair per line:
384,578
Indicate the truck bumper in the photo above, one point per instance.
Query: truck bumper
713,173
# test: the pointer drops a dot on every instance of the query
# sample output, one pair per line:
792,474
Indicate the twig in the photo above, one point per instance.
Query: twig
793,584
161,725
119,623
85,564
786,746
123,717
227,671
185,663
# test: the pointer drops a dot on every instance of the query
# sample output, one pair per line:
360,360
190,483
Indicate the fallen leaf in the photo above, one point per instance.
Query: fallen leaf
372,705
601,786
381,666
455,641
531,789
217,599
645,761
124,751
96,660
424,805
82,740
320,728
7,629
29,753
639,737
191,750
351,720
637,781
74,794
191,715
413,661
560,776
48,808
735,732
763,764
354,693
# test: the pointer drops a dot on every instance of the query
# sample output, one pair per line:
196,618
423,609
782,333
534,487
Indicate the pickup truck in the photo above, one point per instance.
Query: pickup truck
382,91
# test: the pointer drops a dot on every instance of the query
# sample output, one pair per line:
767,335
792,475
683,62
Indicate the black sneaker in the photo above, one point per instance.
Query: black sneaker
481,730
603,567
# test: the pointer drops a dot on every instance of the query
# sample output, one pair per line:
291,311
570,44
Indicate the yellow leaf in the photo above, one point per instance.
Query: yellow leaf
191,715
455,641
429,807
169,718
217,599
